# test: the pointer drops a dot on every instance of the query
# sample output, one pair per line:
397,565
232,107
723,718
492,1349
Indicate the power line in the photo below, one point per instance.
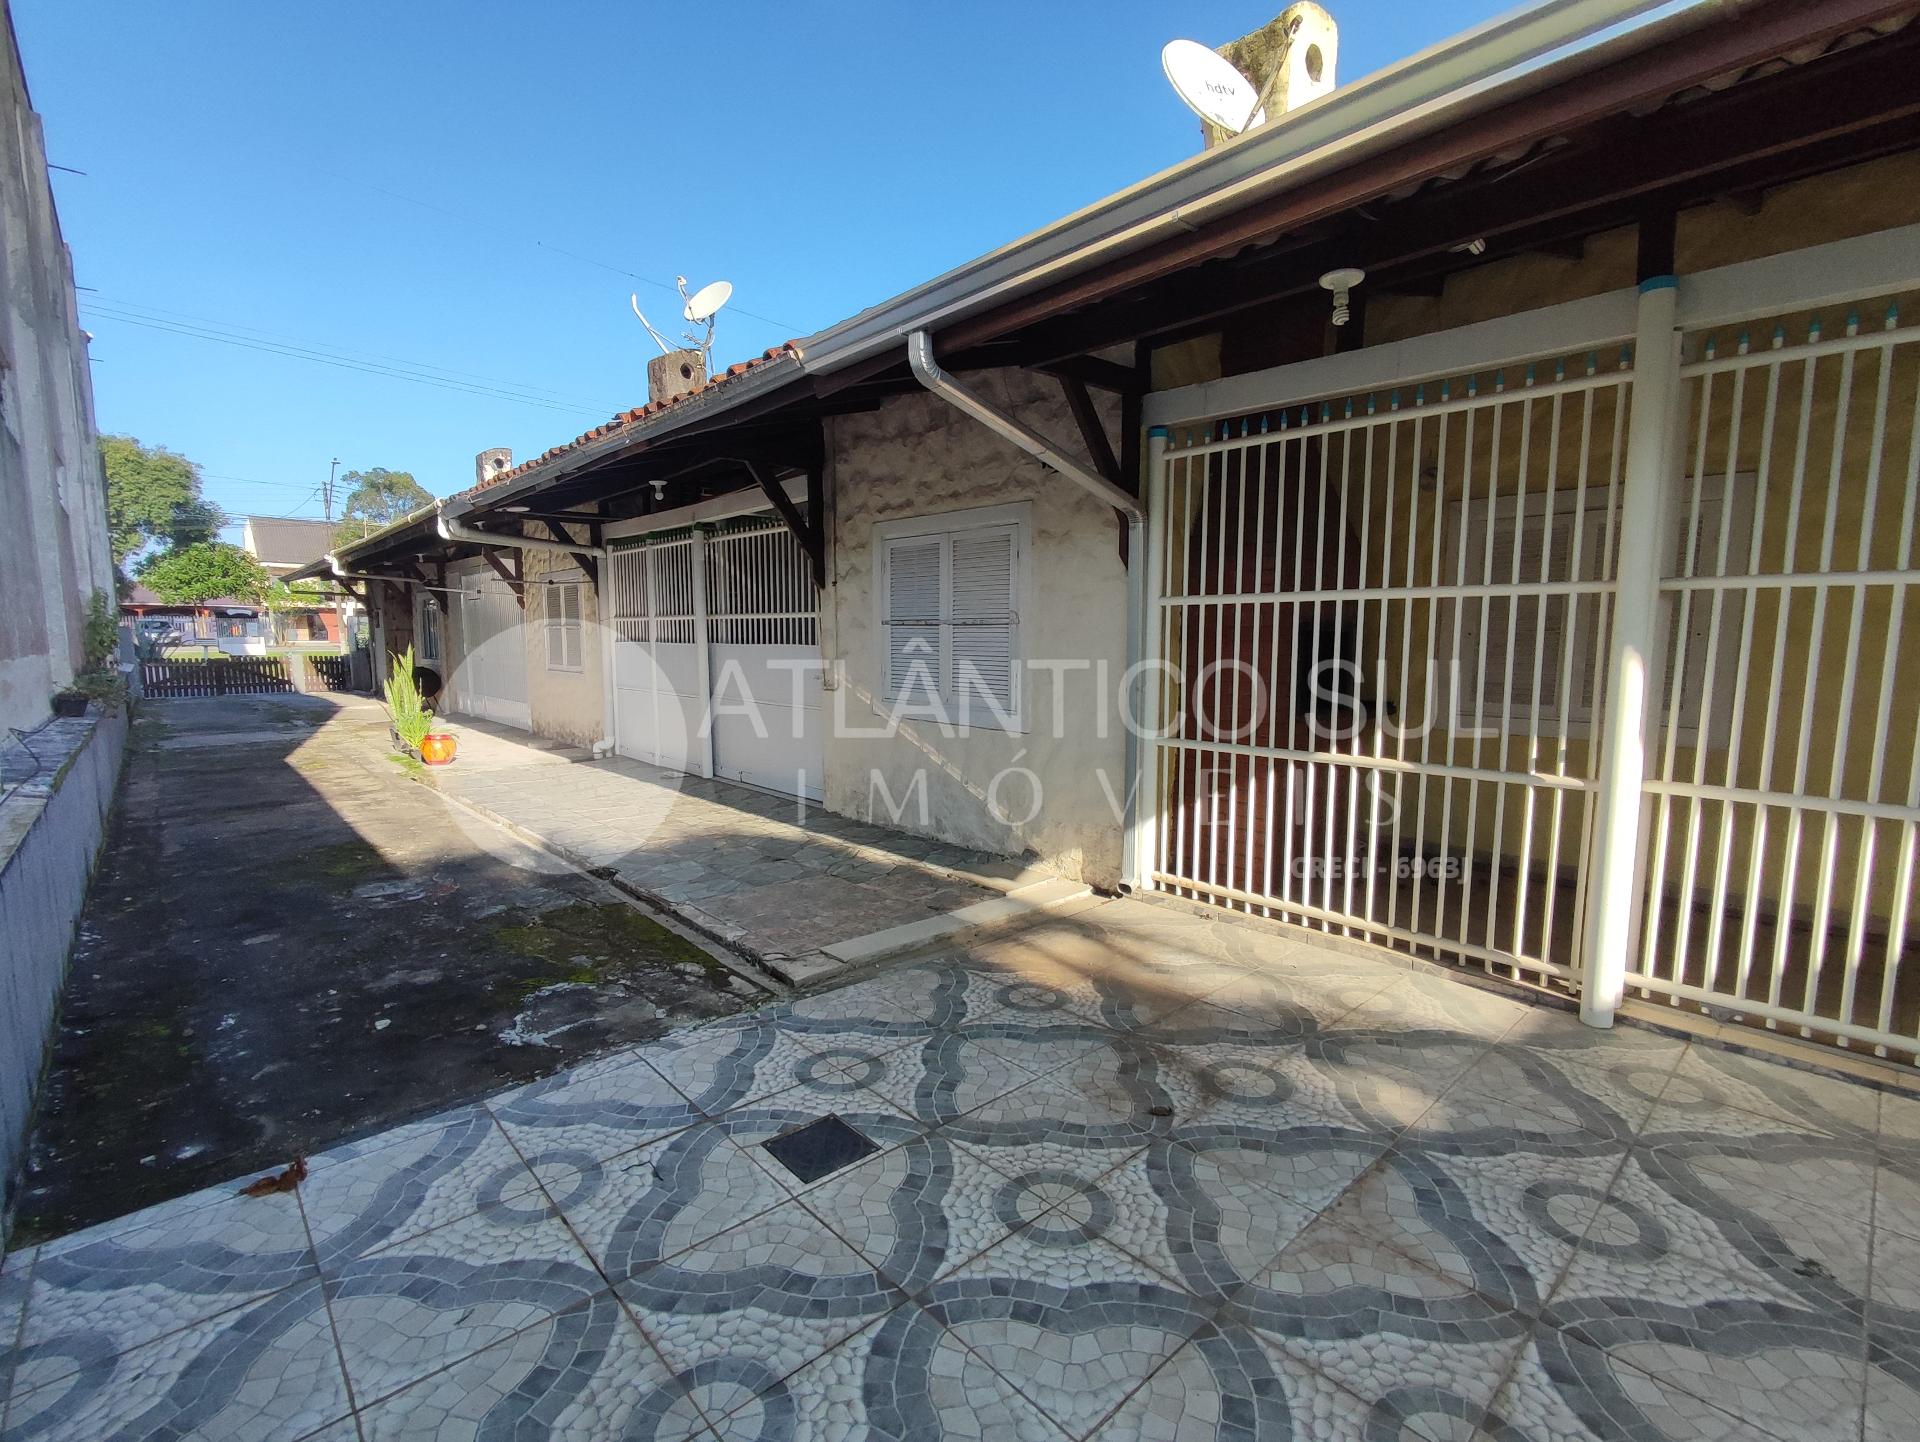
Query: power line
488,226
162,312
389,372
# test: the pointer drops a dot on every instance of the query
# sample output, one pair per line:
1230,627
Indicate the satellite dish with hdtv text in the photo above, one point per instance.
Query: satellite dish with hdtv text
1211,87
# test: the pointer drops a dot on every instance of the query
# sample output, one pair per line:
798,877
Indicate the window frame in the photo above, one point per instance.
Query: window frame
560,625
965,711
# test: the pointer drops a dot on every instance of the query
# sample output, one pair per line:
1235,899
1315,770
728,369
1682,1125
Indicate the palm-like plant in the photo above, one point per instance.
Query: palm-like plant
406,707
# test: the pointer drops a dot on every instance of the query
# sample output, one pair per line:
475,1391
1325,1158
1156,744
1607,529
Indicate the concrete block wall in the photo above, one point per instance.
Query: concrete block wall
49,842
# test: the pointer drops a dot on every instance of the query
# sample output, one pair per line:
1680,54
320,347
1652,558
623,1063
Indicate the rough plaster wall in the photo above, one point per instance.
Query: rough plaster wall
53,552
566,705
916,456
43,881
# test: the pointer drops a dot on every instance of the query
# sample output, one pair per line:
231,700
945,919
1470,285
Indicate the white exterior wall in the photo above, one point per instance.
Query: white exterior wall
53,551
566,705
916,456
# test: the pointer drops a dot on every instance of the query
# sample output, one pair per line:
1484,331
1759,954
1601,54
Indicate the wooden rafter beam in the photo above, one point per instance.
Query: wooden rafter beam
810,533
1093,432
511,575
1091,370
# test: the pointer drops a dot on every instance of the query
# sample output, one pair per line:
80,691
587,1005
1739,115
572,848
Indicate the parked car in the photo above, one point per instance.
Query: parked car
161,630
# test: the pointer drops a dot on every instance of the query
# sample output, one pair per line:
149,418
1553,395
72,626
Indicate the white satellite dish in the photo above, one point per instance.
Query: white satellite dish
707,300
1210,86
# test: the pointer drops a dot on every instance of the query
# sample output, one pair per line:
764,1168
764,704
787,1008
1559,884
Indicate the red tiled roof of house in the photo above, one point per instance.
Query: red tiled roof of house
636,415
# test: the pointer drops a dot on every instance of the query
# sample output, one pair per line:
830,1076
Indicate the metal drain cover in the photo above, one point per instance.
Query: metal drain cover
812,1151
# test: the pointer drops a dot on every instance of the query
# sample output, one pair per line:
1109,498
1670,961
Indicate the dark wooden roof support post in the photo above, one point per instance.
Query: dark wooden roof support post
810,534
511,577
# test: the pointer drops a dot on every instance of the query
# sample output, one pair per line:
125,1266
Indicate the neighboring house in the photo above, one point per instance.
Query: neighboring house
223,623
282,546
1555,616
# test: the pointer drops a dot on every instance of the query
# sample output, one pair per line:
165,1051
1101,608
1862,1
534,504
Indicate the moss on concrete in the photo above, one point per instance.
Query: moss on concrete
593,943
347,861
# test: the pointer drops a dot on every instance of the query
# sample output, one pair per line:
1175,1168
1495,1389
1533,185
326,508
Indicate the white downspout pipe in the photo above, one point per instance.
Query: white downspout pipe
927,371
452,530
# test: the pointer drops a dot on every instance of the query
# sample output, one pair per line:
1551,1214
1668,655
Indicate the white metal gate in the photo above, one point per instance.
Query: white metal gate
716,655
764,653
488,651
1784,794
1384,619
657,663
1386,616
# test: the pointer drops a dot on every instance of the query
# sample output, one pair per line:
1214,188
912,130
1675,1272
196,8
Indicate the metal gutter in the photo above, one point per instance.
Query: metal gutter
1506,58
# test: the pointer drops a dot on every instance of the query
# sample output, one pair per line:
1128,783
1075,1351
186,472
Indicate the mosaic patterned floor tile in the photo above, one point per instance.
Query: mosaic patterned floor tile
1075,1325
430,1177
583,1376
1667,1236
757,1303
919,1210
1562,1390
597,1110
1772,1088
1786,1372
1170,1179
899,1380
1223,1386
433,1299
93,1298
1307,1168
730,1063
652,1203
262,1373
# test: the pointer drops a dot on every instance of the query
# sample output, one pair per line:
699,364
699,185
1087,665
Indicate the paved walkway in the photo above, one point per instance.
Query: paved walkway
779,880
1136,1174
289,944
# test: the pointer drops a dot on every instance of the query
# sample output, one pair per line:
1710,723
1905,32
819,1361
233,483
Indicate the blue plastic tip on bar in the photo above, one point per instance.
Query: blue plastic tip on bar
1779,335
1853,322
1746,342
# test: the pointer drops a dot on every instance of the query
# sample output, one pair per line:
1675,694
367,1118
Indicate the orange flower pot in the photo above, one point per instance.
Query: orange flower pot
437,748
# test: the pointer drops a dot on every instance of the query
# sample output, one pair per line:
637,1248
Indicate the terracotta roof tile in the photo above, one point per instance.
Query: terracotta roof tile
638,413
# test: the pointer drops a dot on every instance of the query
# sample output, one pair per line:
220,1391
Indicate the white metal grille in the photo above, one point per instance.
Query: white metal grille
653,590
1384,618
1782,814
759,586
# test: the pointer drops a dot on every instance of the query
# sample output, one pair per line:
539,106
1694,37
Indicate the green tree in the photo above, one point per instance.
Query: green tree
153,498
376,498
200,572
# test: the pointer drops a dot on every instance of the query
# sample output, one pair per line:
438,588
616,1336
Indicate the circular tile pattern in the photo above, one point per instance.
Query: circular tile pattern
1055,1206
841,1069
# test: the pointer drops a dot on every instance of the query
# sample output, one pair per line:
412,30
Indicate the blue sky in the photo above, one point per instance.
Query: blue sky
462,187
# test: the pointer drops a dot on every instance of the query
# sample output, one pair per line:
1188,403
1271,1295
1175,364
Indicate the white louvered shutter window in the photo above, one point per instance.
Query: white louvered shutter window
564,648
916,665
982,617
952,622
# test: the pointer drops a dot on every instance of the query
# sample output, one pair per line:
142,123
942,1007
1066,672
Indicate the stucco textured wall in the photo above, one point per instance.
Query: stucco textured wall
53,550
916,456
48,844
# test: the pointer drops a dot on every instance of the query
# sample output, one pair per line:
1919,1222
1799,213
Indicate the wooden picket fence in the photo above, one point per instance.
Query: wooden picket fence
328,671
217,676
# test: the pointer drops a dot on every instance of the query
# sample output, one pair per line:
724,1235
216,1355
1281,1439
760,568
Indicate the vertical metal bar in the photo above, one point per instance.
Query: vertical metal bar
1150,802
1623,743
703,660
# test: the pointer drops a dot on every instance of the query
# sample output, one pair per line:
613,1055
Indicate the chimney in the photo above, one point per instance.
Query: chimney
1290,60
491,465
675,374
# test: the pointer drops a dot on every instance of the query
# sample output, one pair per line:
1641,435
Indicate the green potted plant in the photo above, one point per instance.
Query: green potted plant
407,718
